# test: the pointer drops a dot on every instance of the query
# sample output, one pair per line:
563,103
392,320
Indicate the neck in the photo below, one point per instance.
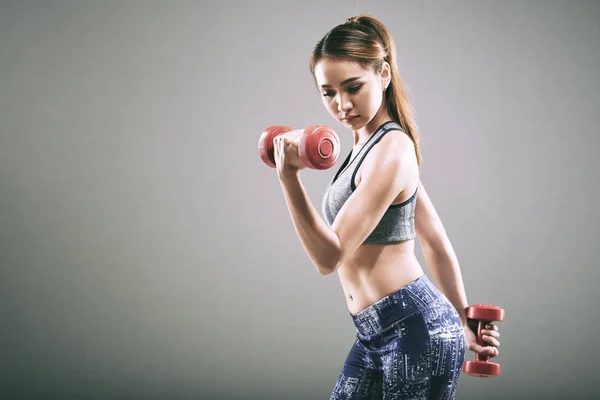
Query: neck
363,134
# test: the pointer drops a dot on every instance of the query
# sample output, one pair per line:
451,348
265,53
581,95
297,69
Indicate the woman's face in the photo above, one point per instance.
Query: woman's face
348,90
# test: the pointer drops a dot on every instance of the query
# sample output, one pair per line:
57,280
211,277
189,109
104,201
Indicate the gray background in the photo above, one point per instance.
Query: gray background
147,252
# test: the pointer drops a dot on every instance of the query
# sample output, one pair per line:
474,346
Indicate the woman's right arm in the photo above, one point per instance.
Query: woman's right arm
439,254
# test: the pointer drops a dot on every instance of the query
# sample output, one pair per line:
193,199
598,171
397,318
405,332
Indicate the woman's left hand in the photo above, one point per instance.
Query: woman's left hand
489,335
287,157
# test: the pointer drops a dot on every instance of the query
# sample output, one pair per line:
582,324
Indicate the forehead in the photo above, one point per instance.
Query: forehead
333,72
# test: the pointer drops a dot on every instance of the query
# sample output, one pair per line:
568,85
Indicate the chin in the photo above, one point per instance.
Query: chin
356,125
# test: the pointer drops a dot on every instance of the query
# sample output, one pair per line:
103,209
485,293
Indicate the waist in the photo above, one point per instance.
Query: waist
365,283
370,259
417,296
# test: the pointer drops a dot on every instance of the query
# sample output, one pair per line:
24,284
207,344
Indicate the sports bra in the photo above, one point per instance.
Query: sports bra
398,222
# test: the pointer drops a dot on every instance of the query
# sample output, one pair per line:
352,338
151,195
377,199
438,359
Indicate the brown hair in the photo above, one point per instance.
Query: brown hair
364,40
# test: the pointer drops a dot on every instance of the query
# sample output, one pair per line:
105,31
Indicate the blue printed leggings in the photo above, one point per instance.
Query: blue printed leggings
409,345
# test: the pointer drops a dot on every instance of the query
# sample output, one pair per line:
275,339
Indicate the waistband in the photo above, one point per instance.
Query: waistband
419,295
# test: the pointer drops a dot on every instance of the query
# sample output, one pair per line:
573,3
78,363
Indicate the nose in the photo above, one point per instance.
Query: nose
344,104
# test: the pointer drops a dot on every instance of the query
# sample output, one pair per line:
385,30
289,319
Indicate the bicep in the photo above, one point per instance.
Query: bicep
428,225
382,179
367,204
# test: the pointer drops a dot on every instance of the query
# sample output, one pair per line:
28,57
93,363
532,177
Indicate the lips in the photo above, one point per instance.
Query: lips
349,117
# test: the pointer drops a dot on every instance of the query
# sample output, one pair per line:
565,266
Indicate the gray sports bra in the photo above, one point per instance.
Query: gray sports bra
398,222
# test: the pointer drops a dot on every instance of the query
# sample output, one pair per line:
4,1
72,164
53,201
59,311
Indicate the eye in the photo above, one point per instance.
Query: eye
352,90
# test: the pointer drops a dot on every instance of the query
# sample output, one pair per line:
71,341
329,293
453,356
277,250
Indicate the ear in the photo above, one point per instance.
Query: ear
386,74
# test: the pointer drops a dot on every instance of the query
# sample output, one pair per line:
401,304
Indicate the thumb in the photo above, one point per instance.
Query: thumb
483,350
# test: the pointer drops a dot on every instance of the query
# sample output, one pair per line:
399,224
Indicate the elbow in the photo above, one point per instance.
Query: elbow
328,268
434,240
330,260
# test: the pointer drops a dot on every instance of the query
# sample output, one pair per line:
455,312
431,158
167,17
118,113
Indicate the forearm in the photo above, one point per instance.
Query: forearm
443,264
319,240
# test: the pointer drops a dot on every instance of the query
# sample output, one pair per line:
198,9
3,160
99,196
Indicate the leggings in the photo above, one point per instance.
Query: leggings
409,345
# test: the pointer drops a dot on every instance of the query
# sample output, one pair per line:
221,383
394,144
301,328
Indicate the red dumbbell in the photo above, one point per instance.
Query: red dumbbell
319,146
481,366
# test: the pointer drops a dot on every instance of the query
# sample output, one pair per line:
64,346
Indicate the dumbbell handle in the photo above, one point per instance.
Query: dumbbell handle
481,325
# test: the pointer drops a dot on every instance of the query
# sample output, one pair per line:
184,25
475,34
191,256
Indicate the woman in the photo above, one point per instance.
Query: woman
411,336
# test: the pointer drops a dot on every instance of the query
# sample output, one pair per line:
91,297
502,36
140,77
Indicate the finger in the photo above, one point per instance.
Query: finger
278,148
492,326
491,340
489,351
485,351
494,334
277,143
478,349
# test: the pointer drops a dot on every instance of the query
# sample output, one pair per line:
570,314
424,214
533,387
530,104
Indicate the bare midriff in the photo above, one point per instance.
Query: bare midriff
377,270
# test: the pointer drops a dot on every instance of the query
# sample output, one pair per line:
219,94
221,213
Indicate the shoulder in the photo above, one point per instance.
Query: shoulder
397,140
393,154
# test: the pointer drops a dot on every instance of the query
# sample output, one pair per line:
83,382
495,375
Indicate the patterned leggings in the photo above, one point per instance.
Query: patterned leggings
409,345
